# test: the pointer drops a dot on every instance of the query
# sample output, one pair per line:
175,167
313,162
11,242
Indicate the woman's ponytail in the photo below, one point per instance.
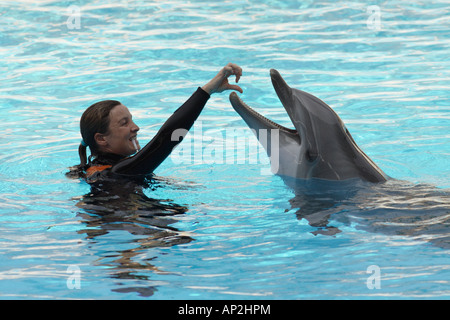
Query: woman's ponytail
82,154
77,172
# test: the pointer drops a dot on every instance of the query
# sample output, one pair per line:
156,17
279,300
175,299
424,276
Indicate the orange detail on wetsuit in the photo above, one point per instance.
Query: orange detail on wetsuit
94,169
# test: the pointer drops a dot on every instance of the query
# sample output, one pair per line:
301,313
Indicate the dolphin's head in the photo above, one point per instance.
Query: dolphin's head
320,146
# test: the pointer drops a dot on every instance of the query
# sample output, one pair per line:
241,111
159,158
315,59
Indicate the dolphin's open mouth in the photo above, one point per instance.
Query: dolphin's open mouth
245,111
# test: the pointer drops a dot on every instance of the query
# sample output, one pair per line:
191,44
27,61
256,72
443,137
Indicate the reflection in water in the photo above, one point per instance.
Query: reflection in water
121,205
394,208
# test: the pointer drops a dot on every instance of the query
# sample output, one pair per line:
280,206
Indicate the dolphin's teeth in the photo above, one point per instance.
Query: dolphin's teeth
279,126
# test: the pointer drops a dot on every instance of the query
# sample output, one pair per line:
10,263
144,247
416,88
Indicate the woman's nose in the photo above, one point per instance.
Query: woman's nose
135,127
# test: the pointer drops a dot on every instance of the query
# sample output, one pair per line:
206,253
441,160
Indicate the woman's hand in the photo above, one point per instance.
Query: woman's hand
220,82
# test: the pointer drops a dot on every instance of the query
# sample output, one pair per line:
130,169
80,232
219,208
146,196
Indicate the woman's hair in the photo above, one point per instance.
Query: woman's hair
94,120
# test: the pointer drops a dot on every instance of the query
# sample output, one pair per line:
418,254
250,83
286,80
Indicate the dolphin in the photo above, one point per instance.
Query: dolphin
320,146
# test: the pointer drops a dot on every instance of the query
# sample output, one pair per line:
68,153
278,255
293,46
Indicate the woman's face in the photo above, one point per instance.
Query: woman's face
122,132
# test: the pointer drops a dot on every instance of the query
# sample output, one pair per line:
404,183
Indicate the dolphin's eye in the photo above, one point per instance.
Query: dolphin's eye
349,135
310,156
345,129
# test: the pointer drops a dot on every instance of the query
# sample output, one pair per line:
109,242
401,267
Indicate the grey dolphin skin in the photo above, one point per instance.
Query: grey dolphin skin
319,147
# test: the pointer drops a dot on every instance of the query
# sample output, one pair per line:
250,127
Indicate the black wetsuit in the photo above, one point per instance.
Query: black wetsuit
157,150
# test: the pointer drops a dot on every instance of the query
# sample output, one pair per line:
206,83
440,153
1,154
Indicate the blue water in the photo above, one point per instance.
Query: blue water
222,229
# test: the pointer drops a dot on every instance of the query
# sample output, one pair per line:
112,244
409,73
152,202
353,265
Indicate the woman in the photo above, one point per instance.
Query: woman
108,130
